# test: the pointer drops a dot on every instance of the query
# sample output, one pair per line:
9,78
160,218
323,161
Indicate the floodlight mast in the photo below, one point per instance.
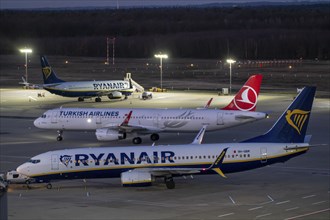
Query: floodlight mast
26,51
161,57
230,61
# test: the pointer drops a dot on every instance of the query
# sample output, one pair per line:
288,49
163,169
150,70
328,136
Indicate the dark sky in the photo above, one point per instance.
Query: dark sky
30,4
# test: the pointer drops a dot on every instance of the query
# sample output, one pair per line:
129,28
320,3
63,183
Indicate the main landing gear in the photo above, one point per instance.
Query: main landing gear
169,182
137,140
97,99
49,186
59,135
153,137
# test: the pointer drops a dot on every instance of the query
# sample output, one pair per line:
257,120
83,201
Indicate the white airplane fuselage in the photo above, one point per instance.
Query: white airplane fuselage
107,162
148,120
88,88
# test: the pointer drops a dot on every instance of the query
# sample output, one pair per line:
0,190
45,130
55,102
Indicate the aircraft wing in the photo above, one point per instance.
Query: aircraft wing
138,128
244,117
216,166
125,126
169,171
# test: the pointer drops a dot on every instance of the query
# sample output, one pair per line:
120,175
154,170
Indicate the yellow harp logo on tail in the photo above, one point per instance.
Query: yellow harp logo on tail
46,71
296,118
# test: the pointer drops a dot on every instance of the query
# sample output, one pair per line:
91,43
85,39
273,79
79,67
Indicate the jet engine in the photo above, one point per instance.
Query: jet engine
115,95
106,134
136,178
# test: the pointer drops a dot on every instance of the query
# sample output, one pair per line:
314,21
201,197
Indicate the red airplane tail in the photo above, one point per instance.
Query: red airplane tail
247,97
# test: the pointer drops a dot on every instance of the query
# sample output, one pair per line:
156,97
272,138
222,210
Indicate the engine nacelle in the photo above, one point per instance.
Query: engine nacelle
106,134
136,178
115,95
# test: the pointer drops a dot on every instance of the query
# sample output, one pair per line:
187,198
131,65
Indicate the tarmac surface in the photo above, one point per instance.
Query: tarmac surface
297,189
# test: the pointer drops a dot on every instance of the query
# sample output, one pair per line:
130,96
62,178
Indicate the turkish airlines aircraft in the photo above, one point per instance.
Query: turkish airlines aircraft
114,89
109,126
139,166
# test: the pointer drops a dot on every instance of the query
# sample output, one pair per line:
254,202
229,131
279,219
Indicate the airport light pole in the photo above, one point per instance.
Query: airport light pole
161,56
230,61
26,51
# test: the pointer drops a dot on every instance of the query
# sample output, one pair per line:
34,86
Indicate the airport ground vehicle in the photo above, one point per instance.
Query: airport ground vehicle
14,177
146,95
3,183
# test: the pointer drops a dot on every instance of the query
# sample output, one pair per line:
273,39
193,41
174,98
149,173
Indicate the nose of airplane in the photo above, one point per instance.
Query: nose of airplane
23,169
37,122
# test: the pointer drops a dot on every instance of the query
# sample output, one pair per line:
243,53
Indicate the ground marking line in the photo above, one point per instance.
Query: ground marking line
306,197
232,200
259,216
292,208
279,203
316,203
307,214
220,216
270,198
255,208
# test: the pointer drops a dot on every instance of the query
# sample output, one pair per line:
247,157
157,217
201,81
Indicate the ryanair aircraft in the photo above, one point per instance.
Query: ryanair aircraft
109,123
114,89
139,166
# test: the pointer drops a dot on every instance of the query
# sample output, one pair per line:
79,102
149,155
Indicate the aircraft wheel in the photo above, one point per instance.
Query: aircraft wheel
49,186
137,140
126,97
169,182
98,99
154,137
59,138
80,99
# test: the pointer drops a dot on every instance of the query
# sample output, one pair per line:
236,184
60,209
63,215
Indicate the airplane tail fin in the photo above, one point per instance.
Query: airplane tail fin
47,72
292,125
247,97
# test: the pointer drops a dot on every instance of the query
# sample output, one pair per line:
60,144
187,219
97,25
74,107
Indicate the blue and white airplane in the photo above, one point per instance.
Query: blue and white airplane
140,165
114,89
107,123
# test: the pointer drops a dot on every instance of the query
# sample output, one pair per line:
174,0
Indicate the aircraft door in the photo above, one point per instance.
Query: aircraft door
220,119
54,117
98,120
263,152
55,162
155,120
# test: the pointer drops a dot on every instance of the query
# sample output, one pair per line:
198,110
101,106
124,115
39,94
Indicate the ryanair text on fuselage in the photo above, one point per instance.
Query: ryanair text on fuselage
119,159
110,85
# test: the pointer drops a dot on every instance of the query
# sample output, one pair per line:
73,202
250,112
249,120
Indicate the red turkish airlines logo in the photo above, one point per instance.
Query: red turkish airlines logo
247,100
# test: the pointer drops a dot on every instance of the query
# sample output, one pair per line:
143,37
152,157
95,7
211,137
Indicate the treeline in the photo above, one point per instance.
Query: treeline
278,32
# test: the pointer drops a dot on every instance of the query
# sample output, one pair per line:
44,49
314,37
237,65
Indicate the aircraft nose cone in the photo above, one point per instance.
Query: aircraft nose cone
37,122
22,169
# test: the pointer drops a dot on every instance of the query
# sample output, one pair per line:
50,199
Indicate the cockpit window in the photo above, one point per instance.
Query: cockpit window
34,161
43,116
